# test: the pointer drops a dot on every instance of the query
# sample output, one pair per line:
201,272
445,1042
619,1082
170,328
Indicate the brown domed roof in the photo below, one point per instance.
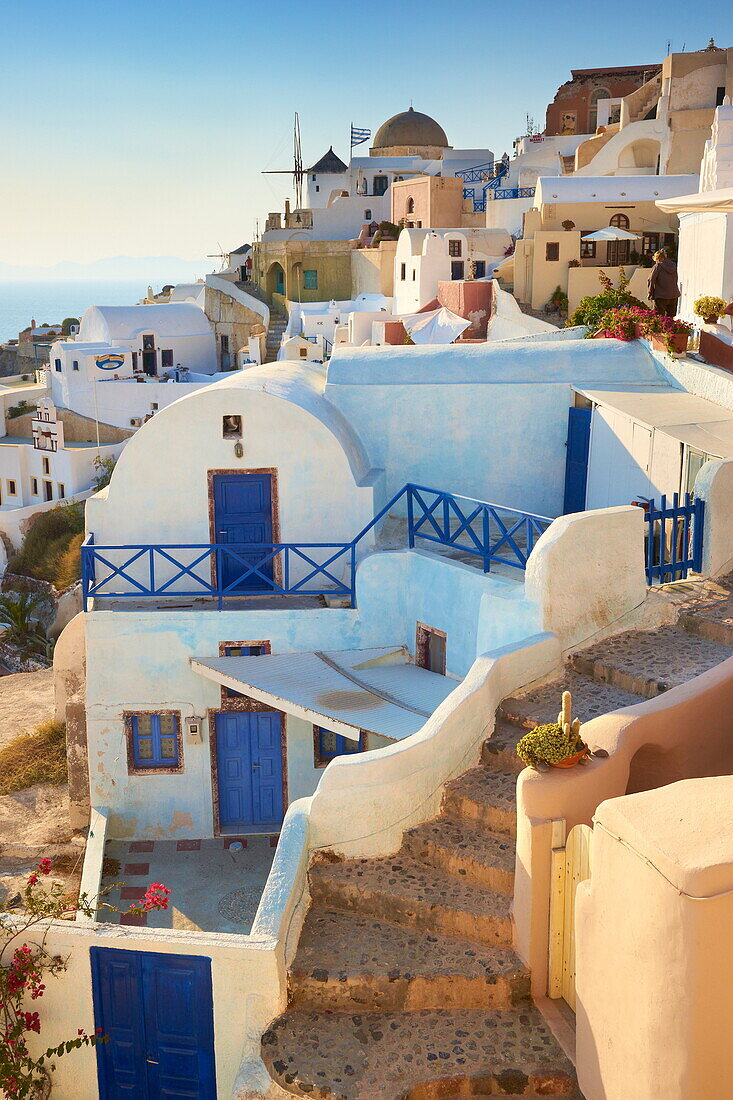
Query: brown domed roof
410,128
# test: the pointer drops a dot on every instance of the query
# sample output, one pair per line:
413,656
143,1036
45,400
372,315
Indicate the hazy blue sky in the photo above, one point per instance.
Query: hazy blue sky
141,128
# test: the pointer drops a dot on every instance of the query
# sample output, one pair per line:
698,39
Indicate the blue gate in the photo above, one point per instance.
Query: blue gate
673,538
249,770
157,1011
576,460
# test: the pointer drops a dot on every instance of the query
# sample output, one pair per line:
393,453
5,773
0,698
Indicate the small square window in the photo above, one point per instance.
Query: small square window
327,745
154,740
454,248
232,427
34,486
154,406
479,269
46,466
166,357
11,488
403,272
310,280
317,188
57,364
367,215
240,649
314,179
62,490
75,364
552,250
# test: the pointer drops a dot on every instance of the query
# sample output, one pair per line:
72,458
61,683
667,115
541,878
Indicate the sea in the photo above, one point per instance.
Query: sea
52,301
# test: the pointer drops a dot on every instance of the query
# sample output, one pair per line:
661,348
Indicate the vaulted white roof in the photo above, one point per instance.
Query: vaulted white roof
106,324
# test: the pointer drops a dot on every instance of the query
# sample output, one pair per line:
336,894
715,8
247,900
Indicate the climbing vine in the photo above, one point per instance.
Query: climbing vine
25,966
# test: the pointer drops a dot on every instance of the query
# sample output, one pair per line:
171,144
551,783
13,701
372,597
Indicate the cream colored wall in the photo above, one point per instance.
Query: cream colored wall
597,215
653,927
549,274
569,578
584,281
372,270
685,733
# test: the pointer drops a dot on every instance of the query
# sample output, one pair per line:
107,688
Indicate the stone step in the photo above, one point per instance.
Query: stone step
349,962
649,662
405,891
716,627
500,750
416,1055
485,796
542,704
464,850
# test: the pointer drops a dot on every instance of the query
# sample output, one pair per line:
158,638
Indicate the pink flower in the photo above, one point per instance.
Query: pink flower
44,866
32,879
156,896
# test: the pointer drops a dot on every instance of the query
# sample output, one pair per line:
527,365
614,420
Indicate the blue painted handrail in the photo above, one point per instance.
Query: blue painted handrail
491,532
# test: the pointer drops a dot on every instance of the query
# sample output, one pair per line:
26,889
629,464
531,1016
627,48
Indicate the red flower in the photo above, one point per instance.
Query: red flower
32,879
44,866
156,896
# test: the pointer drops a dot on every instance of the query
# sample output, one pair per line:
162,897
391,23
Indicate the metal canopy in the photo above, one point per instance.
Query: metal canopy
377,690
611,233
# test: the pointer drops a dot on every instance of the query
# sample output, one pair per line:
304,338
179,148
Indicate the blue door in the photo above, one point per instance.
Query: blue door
249,770
158,1013
243,517
576,460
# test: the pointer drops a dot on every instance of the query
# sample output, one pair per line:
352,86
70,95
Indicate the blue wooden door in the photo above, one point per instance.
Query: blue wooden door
243,517
158,1013
249,770
576,460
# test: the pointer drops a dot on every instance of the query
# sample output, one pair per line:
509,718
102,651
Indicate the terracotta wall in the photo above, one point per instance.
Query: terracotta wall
569,111
471,300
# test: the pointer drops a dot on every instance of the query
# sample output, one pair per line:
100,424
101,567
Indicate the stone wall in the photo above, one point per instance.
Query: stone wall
77,428
232,319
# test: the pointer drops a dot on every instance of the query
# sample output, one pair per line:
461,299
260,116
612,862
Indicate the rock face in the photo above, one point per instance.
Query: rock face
405,985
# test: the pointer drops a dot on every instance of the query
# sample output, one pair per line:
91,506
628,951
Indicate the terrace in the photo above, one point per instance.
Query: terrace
489,536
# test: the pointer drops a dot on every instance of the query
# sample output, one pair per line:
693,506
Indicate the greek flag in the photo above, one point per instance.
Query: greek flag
359,135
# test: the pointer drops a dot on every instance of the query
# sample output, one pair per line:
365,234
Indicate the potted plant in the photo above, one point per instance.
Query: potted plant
557,744
669,334
568,225
709,308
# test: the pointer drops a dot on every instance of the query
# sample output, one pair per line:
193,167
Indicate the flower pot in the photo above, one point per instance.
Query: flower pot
678,341
571,761
711,320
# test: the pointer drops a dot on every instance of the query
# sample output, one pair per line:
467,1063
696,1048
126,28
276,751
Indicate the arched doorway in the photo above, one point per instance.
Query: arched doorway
275,280
596,94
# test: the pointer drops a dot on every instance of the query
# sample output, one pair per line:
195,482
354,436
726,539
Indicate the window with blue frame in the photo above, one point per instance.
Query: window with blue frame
75,364
328,745
310,280
57,364
255,650
155,740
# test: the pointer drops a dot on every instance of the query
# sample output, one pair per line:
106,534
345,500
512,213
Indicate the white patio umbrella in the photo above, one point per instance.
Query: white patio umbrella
441,326
611,233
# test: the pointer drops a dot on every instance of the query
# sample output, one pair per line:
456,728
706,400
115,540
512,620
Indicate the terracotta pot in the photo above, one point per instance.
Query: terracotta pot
679,342
571,761
711,320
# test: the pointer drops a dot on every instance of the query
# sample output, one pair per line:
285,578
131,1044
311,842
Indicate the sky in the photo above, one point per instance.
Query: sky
130,127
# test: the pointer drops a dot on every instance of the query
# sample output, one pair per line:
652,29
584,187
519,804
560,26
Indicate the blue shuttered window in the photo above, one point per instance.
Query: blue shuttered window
155,740
329,745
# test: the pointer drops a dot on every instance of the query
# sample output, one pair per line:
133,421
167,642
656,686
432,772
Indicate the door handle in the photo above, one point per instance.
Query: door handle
153,1061
256,766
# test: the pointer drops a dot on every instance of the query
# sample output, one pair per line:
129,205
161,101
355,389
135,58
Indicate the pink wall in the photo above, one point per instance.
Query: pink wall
471,300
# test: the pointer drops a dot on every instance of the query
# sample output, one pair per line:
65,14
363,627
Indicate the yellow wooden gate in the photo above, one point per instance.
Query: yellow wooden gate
570,866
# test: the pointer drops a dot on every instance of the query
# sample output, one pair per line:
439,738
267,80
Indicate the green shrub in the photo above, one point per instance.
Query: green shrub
21,409
38,757
67,323
49,548
546,744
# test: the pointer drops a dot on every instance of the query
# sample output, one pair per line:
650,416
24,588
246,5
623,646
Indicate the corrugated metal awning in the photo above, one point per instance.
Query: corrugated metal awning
377,690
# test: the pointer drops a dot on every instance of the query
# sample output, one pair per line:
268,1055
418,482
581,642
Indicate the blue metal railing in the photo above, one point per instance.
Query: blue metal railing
514,193
478,174
673,538
491,532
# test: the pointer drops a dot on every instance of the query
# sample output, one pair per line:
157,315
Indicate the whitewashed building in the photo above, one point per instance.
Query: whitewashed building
425,257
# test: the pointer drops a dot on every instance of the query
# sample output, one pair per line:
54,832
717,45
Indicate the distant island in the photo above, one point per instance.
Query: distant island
151,269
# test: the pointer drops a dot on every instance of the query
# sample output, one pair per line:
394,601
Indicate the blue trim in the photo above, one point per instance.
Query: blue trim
156,759
492,532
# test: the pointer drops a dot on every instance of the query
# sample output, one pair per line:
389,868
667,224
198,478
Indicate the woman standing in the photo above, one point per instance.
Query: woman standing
663,288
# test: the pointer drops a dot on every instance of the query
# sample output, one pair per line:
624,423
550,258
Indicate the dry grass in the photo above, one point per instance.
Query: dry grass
37,757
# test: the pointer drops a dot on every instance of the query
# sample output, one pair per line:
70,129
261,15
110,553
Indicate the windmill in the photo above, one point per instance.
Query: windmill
220,255
297,170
